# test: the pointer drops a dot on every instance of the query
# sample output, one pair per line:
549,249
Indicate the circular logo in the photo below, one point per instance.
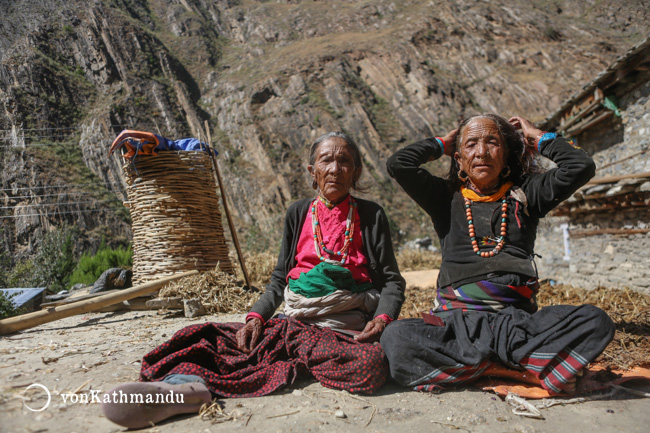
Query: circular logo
49,397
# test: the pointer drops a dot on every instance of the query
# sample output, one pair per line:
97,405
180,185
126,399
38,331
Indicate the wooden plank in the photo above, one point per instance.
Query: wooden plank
594,101
175,302
588,123
585,233
137,304
30,320
574,210
73,298
612,179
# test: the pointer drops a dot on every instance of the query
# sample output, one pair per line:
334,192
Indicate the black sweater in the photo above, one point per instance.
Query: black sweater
378,248
460,264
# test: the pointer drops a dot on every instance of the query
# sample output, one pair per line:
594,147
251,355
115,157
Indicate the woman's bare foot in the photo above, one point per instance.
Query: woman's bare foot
570,387
141,404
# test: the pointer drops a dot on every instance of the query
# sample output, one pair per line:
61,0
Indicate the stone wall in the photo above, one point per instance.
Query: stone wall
635,124
606,260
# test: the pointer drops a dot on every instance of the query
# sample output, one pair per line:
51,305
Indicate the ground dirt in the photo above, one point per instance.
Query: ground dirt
97,351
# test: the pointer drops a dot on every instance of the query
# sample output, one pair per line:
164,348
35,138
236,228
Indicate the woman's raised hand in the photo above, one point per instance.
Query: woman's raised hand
450,141
531,132
372,331
248,336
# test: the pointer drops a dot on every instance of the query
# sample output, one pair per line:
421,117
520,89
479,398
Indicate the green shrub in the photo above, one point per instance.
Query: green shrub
22,274
54,260
7,308
90,267
5,263
50,267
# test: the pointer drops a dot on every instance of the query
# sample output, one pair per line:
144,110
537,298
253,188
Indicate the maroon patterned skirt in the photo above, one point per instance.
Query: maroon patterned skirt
288,348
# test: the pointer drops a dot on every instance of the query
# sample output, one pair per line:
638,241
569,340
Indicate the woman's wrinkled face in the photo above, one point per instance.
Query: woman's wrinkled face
482,152
334,170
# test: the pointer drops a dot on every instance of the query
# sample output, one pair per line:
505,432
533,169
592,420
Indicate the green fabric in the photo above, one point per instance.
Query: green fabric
326,278
610,105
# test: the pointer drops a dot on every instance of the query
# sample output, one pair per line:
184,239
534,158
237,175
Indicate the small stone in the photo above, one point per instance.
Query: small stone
193,308
340,414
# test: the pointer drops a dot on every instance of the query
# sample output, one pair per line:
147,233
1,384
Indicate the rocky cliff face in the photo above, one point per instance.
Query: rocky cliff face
269,77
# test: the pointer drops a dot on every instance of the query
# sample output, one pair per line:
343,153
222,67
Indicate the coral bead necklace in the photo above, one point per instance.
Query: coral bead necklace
472,233
341,255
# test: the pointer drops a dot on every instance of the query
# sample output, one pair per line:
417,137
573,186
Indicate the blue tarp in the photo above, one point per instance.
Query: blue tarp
186,144
22,296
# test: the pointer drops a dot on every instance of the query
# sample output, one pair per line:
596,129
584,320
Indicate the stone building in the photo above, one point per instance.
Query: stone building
601,235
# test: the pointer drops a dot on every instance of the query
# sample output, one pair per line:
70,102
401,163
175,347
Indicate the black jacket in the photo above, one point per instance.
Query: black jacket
378,248
445,205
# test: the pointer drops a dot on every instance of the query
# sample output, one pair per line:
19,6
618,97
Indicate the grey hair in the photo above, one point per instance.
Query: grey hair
356,153
520,162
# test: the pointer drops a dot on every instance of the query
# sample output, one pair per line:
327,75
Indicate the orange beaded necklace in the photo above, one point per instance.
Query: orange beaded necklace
470,196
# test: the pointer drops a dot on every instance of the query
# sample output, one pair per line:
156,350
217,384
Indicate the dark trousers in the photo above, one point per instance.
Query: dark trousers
553,343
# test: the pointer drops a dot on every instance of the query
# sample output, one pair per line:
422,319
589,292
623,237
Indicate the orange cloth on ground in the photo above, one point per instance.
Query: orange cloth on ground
594,378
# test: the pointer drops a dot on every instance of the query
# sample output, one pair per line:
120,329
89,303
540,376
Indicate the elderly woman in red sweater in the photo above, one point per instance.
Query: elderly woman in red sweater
337,275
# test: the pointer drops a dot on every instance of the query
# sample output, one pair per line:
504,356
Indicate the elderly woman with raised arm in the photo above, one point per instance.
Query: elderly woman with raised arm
485,316
337,275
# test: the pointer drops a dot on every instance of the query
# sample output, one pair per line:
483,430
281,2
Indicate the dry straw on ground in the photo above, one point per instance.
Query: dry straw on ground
259,267
413,260
629,310
219,292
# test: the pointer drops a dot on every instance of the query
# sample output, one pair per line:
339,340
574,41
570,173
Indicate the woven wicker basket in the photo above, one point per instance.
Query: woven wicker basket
175,215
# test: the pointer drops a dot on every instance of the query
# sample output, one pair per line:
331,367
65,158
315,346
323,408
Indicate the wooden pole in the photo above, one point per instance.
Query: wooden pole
624,232
612,179
235,240
30,320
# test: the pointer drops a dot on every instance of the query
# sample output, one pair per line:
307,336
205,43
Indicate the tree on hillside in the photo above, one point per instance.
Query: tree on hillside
54,261
5,262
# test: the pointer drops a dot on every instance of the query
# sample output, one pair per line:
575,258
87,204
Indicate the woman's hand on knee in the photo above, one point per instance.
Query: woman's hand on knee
248,336
372,331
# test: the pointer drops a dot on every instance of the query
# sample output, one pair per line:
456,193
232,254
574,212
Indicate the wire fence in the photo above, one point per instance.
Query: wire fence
51,207
42,137
54,214
63,186
33,196
20,206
